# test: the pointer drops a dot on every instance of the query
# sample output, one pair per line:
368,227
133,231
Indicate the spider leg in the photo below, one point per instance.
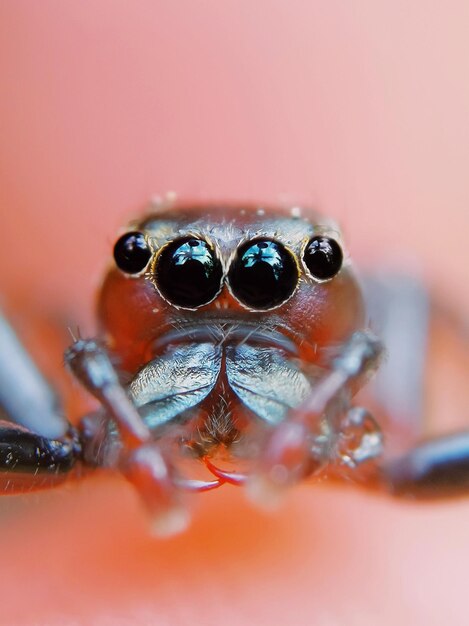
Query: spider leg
399,312
404,314
25,396
141,460
307,439
38,447
435,468
29,461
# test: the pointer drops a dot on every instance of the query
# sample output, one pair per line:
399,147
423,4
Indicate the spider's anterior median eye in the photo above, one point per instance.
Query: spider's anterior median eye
188,273
323,257
263,274
132,253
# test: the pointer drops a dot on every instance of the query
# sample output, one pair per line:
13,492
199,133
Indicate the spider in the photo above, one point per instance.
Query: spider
232,342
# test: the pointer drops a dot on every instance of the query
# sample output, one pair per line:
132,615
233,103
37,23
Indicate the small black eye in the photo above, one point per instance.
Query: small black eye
323,257
263,274
188,273
132,253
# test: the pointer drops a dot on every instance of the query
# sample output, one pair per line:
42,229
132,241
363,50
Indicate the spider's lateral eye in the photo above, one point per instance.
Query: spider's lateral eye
131,253
188,272
263,274
323,257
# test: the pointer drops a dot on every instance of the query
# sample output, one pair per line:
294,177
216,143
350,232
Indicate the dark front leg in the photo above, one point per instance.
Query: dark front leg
436,468
38,447
29,461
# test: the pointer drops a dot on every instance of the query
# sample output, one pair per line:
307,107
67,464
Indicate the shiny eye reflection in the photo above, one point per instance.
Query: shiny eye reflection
188,273
263,274
323,257
131,253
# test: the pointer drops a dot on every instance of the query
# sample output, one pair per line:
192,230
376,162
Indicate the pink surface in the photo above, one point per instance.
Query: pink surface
357,108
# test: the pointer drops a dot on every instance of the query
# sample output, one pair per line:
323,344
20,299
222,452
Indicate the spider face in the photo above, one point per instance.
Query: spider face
221,317
199,267
227,335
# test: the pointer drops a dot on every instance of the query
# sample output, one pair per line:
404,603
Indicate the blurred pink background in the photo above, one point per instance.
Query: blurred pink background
358,108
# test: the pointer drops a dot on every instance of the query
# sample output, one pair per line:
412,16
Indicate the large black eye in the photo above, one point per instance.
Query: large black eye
263,274
132,253
188,273
323,257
